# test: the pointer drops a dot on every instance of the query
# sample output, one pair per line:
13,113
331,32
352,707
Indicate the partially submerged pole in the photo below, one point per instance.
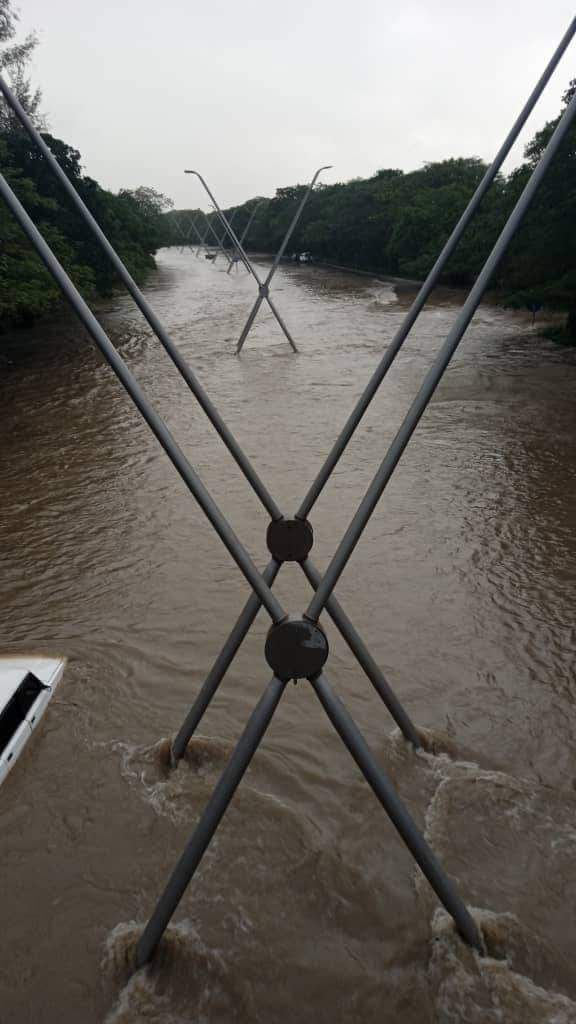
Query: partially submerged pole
263,286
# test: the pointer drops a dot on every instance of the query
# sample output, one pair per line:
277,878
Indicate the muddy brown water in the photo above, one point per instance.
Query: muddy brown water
306,908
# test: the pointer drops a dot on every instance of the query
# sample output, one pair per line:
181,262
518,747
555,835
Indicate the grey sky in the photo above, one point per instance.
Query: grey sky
256,96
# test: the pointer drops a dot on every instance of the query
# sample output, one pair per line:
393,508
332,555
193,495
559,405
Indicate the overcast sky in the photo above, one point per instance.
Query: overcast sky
256,96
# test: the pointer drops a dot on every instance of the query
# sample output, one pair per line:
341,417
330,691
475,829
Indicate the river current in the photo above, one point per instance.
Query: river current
307,909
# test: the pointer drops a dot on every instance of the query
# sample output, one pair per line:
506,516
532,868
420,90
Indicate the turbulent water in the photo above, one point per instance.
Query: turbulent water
306,908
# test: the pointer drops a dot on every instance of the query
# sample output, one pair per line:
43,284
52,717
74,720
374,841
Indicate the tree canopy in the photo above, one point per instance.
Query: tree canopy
132,219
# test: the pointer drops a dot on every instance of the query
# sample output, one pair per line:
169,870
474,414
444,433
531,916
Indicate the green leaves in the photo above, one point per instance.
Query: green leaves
132,221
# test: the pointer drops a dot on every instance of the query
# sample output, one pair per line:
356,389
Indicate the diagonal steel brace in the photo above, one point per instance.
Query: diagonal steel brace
236,258
219,247
202,237
263,285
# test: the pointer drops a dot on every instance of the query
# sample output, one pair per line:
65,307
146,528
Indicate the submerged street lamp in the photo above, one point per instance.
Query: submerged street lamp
263,286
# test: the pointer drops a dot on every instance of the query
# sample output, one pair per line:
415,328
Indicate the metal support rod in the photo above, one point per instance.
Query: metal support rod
180,363
274,267
294,222
154,421
223,236
189,240
201,238
437,370
252,316
430,283
247,263
209,821
291,341
401,819
188,243
229,230
216,239
248,325
263,286
244,235
220,667
250,221
183,237
341,621
364,658
229,781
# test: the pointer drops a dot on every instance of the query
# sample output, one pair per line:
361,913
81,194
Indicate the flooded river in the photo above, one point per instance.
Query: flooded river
307,909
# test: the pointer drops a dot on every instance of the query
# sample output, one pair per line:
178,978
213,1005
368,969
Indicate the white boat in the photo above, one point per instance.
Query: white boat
27,685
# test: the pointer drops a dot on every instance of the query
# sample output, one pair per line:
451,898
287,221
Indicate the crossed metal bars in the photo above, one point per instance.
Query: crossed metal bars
202,244
236,258
219,239
297,647
263,286
185,240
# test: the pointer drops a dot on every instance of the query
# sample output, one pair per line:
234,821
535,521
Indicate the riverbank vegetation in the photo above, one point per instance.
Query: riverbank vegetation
396,223
132,219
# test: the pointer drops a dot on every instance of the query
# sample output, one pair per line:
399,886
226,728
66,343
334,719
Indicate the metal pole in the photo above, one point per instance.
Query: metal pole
263,286
186,243
189,242
222,237
217,240
254,313
399,816
251,318
206,827
226,226
201,238
244,235
341,621
430,282
434,375
246,230
192,228
154,421
294,222
163,337
181,233
364,658
280,321
220,667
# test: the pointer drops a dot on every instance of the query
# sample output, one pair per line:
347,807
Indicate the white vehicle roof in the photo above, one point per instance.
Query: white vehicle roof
14,670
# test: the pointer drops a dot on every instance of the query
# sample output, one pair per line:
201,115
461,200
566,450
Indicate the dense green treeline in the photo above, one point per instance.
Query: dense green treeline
396,223
132,221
